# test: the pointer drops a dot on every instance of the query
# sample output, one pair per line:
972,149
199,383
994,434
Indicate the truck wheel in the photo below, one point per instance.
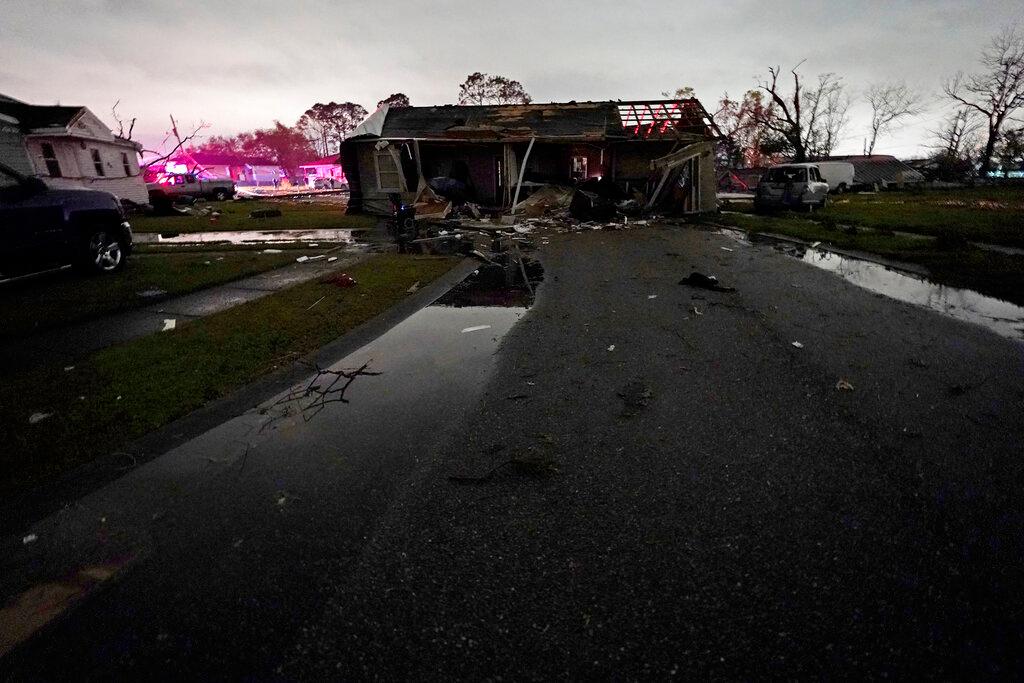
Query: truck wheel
841,189
101,253
220,194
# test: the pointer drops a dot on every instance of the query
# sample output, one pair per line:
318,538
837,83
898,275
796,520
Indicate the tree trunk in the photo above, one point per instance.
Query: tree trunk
990,147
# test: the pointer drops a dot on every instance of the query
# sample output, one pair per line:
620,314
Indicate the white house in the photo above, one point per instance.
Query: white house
69,147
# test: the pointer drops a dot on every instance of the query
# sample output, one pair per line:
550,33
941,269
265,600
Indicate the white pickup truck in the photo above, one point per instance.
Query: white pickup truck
187,184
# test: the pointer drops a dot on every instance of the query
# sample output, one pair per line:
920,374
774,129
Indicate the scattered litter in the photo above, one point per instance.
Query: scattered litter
313,244
343,280
169,324
281,500
652,296
814,244
150,293
844,385
118,398
635,395
31,538
332,259
207,263
695,310
476,328
69,368
413,288
316,302
798,345
265,213
36,418
726,249
302,259
612,347
696,279
272,251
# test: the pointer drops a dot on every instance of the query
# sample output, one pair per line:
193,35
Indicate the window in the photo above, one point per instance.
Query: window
97,162
127,164
388,174
787,174
50,158
579,168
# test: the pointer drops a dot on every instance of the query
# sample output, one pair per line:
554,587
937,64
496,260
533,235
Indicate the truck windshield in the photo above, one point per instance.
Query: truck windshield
787,174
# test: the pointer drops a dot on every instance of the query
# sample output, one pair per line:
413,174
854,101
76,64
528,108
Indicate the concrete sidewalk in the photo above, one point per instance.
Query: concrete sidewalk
63,345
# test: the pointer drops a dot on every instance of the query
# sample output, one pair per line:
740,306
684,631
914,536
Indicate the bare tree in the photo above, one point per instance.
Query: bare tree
806,121
480,88
179,142
889,102
395,101
957,135
995,92
121,133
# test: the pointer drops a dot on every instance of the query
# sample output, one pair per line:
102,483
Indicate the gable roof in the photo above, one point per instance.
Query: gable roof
879,168
33,116
568,121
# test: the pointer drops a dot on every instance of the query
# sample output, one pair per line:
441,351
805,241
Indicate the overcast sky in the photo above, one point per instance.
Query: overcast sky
241,65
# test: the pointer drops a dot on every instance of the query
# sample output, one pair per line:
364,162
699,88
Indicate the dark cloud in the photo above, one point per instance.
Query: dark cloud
243,64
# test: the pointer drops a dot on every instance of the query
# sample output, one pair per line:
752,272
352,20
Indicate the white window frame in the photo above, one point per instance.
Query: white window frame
397,173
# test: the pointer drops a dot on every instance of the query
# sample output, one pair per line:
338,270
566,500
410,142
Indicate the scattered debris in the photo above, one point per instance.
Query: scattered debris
150,293
814,245
612,347
726,249
265,213
302,259
702,281
319,396
652,296
169,324
415,286
69,368
695,310
332,259
342,280
36,418
30,538
272,251
798,345
635,395
316,302
476,328
844,385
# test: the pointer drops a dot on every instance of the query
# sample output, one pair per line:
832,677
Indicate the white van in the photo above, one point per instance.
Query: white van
791,186
838,175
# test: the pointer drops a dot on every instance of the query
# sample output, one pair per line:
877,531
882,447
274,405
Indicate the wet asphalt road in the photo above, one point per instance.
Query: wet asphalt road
750,521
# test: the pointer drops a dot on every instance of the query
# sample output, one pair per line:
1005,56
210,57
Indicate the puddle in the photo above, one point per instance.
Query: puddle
248,236
1002,317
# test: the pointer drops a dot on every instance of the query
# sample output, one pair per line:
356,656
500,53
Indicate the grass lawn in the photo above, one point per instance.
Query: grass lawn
295,215
57,299
949,262
125,391
986,214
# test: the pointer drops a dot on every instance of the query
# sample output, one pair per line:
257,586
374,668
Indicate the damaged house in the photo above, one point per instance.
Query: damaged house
658,152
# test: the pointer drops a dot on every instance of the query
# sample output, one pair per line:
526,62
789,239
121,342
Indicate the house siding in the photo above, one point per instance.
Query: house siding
78,170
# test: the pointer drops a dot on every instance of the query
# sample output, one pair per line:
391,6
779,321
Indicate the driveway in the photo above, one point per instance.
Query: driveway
646,479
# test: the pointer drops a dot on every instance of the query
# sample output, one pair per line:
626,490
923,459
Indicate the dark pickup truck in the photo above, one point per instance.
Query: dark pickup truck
43,228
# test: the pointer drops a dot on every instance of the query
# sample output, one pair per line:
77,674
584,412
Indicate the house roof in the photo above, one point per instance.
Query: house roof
588,121
331,160
217,159
879,168
33,116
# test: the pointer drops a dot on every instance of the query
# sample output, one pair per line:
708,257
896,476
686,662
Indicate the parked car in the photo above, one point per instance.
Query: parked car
43,227
791,186
838,175
175,185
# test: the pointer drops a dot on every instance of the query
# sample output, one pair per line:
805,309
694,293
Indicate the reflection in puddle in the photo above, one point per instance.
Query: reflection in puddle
247,236
1002,317
997,315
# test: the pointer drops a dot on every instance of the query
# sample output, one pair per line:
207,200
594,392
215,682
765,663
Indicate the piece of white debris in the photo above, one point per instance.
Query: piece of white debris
332,259
476,328
798,345
413,288
36,418
814,244
695,310
169,324
726,249
844,385
302,259
31,538
612,347
69,368
118,398
207,263
652,296
314,244
271,251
